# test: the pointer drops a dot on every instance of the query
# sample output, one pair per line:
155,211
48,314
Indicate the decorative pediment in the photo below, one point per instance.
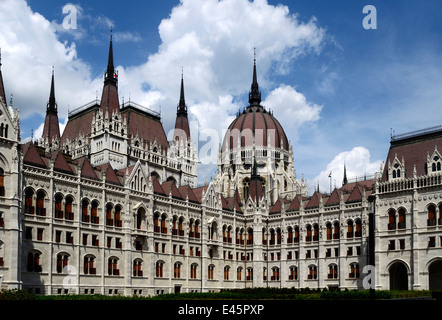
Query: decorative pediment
434,162
396,169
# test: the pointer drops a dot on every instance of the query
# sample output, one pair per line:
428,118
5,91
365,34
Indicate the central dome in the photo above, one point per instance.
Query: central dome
255,126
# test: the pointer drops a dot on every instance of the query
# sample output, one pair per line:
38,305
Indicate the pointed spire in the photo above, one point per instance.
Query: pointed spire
52,104
182,108
109,97
51,128
110,71
182,130
345,180
2,87
254,94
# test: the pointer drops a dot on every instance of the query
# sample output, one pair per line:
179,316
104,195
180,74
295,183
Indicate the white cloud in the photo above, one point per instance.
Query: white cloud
291,108
29,50
358,164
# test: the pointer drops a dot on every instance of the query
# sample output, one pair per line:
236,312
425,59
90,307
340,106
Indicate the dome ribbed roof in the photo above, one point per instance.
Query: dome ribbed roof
256,122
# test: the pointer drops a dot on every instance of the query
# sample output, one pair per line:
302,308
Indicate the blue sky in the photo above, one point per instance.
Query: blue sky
337,88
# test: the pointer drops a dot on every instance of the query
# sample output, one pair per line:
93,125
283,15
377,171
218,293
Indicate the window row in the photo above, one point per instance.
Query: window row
63,208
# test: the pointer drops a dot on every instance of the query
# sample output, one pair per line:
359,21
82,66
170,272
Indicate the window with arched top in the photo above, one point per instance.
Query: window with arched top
293,273
68,210
332,271
401,219
62,262
59,214
2,182
431,221
94,212
350,229
308,237
41,210
358,228
354,271
33,261
137,268
85,210
328,228
391,219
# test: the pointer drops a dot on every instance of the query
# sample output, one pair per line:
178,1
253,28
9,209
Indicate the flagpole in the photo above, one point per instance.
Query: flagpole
330,176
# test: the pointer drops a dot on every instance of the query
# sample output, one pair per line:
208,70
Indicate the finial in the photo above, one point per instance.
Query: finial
254,55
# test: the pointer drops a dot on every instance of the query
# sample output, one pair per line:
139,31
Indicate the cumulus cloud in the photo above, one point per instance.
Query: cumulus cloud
358,164
30,49
292,108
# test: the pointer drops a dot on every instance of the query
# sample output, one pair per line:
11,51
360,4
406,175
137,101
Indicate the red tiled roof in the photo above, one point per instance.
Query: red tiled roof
147,127
335,197
61,164
51,128
33,157
199,192
414,151
109,99
187,191
111,176
79,124
157,187
86,169
169,186
277,207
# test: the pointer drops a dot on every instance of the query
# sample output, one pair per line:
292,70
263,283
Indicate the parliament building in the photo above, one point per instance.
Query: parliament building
110,206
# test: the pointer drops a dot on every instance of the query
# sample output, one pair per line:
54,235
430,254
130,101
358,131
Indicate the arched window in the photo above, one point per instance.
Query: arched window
272,237
85,210
401,219
358,230
391,219
431,221
59,214
328,228
33,262
94,212
181,227
350,230
249,236
275,274
41,210
177,270
197,229
239,273
290,235
296,238
278,236
210,272
293,273
249,276
226,272
112,267
159,266
308,237
2,182
137,268
118,222
163,224
68,211
336,230
354,271
62,262
332,271
109,218
88,265
193,271
312,272
156,222
315,232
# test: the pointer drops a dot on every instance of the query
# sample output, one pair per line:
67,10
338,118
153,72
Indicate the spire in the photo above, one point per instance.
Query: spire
345,181
51,107
51,129
2,87
254,94
182,108
182,130
109,98
110,71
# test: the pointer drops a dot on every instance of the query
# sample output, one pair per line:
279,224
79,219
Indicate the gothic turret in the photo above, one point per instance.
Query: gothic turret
254,94
2,87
